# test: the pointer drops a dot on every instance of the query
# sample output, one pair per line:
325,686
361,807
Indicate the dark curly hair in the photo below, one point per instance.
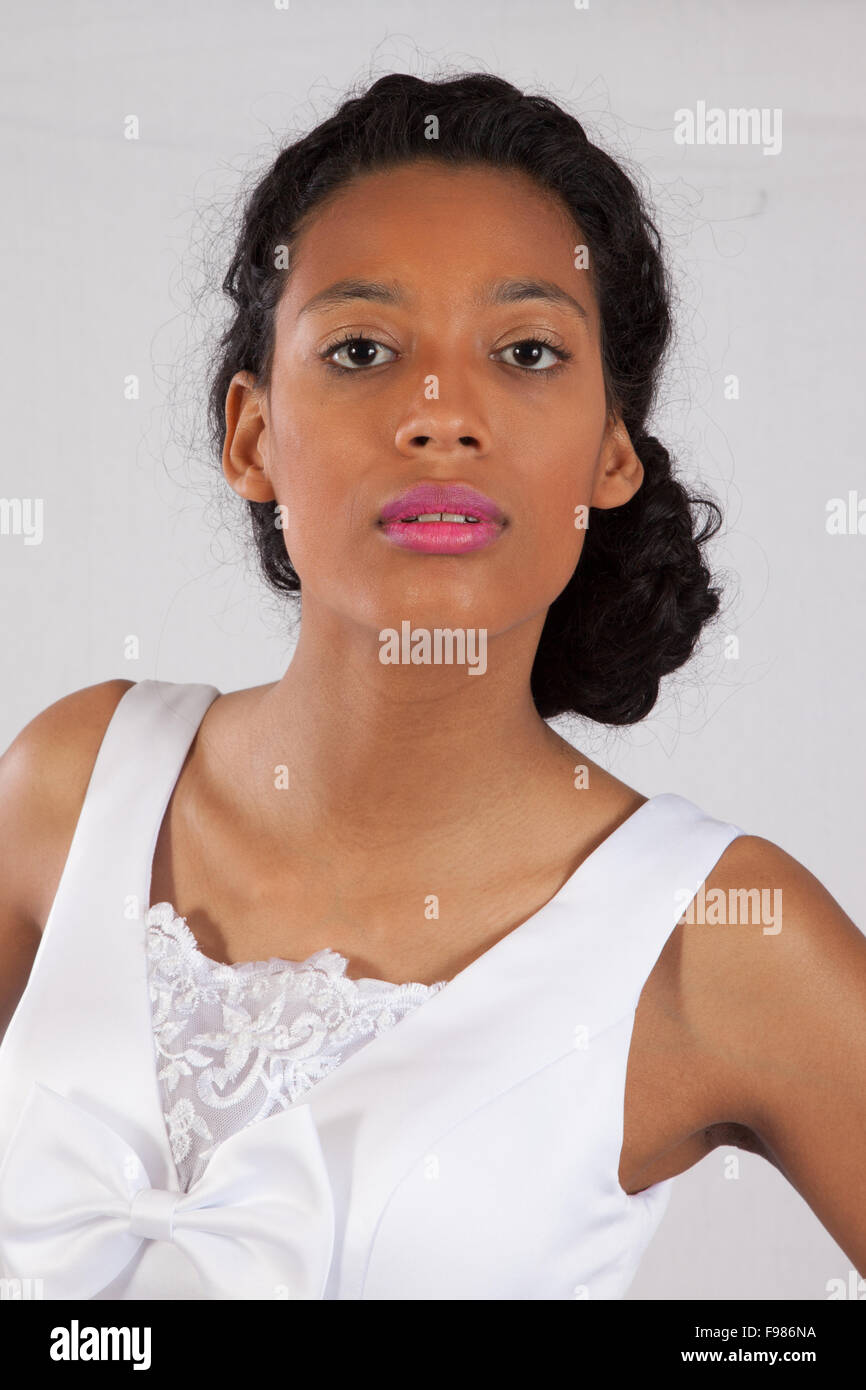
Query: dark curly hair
635,605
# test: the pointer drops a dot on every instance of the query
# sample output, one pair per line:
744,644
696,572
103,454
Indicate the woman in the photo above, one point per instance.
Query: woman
365,983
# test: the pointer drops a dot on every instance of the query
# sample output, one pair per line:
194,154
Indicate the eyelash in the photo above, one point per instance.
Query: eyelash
562,353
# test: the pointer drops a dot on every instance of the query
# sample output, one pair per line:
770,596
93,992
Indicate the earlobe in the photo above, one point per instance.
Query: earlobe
244,457
620,471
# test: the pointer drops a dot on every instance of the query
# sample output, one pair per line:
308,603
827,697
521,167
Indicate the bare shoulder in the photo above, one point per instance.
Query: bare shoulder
763,933
773,1001
758,992
44,774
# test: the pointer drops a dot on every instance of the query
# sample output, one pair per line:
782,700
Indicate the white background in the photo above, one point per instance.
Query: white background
114,252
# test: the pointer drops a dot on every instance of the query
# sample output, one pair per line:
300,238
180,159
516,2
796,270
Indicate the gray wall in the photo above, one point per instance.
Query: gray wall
113,250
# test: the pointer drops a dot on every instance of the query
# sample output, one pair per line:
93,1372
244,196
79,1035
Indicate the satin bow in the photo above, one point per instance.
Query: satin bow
76,1205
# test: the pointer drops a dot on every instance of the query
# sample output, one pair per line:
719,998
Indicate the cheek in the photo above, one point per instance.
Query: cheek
565,514
558,510
312,477
554,542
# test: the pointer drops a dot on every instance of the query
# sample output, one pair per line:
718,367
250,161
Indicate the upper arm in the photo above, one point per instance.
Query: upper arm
44,775
777,1009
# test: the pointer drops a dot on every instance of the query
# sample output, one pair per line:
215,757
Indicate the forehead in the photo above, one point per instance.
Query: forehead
438,229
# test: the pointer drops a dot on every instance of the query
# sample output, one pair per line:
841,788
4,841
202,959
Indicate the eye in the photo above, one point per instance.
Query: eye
538,346
355,343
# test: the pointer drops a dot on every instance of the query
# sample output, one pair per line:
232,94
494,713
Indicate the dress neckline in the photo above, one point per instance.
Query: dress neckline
547,908
164,915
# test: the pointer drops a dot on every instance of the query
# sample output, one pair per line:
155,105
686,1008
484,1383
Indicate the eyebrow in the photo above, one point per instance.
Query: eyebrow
496,292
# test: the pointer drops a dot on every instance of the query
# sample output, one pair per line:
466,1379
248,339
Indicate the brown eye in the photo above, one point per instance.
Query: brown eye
358,353
533,350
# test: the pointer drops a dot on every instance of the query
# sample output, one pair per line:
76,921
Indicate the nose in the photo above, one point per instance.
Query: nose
445,426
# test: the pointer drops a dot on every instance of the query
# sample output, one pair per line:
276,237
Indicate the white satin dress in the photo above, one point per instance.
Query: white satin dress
173,1128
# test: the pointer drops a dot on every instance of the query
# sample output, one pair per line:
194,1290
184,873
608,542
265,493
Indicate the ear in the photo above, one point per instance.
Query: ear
619,473
245,447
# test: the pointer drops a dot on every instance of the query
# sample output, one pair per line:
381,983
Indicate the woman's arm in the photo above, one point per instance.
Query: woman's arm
43,780
778,1003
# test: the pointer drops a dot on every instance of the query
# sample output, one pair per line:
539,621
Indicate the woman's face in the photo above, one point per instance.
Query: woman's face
450,385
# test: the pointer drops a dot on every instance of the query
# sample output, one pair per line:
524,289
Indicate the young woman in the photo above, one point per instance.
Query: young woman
365,983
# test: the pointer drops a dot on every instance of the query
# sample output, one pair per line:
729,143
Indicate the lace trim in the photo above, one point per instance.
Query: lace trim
235,1043
169,923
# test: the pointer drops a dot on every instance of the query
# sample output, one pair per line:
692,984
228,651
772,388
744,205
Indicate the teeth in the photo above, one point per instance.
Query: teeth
441,516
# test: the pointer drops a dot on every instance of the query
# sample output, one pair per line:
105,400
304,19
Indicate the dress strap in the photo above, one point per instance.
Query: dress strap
637,887
138,763
83,1023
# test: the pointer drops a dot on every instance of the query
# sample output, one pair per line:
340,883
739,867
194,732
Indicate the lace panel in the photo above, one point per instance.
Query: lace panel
236,1043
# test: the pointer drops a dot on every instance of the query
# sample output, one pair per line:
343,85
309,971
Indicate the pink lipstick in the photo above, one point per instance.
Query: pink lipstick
441,519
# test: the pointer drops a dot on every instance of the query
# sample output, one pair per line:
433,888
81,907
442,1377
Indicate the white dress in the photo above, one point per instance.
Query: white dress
236,1043
171,1128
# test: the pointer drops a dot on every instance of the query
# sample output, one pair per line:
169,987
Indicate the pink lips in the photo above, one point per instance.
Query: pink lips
442,537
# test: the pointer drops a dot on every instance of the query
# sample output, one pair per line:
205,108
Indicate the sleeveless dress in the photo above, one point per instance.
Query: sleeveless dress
171,1127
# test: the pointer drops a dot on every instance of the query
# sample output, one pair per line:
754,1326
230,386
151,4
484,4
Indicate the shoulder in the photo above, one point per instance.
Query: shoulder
756,927
756,1008
771,990
774,1004
44,775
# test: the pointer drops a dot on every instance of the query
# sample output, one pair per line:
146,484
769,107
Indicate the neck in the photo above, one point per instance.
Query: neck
396,753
